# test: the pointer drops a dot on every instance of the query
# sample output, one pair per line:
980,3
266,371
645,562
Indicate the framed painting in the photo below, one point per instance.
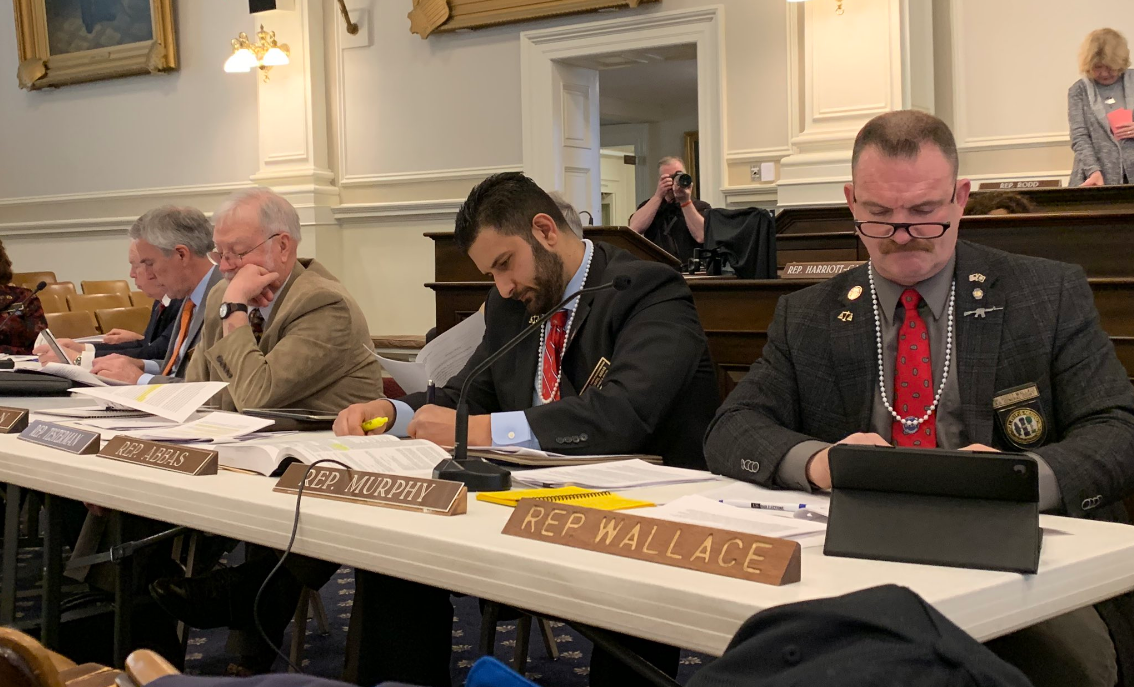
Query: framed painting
437,16
64,42
693,161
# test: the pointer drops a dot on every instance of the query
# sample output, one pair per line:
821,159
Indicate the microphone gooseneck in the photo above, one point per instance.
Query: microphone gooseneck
481,475
18,308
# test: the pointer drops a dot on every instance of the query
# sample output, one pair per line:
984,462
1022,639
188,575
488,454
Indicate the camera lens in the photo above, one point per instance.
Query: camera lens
682,179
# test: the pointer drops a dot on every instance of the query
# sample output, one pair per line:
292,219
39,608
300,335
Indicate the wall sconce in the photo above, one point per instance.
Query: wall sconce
265,53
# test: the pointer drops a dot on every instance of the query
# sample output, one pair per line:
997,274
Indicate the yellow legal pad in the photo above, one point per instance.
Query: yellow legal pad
577,496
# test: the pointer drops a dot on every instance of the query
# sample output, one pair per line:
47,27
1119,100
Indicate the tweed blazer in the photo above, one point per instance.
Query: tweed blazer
1096,148
819,372
312,353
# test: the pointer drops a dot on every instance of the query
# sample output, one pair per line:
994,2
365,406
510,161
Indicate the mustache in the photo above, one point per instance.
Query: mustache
914,246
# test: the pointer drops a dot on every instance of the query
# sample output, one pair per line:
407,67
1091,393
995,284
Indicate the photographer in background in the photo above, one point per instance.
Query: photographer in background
671,218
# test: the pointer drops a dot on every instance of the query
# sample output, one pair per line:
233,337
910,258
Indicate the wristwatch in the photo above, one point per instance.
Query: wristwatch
227,309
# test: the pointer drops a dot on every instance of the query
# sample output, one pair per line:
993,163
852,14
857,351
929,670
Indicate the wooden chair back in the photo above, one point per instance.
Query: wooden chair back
61,289
140,300
97,301
107,286
24,662
29,280
72,325
52,302
130,319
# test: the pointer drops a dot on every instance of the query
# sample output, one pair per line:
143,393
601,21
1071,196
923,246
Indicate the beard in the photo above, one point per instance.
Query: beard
549,282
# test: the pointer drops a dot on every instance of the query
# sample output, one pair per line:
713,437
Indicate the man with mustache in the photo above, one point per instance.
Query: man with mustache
657,396
914,347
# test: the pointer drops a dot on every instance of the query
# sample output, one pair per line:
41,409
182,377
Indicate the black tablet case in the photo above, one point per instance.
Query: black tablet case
953,508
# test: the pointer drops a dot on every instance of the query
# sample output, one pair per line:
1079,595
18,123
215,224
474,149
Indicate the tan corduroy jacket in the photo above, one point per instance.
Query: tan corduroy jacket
312,353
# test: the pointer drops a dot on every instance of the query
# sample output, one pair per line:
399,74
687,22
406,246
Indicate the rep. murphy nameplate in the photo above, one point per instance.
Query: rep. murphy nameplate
438,496
682,545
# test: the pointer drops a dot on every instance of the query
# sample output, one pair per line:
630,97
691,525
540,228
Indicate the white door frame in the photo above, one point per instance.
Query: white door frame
703,26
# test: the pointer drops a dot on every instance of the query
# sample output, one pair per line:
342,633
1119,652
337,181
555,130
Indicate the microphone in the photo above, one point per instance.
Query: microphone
479,474
18,308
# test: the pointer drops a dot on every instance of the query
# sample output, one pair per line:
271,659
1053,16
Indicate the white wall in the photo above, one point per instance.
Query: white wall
415,123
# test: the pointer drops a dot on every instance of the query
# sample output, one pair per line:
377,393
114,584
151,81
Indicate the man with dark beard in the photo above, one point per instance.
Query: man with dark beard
657,397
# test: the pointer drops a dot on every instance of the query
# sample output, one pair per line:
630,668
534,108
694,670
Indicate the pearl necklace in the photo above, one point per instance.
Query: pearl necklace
910,424
566,336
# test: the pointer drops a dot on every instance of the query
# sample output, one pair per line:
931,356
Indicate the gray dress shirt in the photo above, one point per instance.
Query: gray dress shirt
934,310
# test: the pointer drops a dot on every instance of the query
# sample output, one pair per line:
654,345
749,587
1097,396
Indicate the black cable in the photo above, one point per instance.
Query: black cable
290,543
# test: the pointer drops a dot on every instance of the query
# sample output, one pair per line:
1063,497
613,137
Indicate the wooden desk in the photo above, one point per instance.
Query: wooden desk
736,312
807,220
1101,242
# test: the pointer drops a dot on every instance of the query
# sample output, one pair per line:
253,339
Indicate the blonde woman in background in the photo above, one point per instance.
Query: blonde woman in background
1103,155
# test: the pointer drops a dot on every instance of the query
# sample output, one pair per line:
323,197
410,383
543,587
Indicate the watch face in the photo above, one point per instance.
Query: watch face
223,310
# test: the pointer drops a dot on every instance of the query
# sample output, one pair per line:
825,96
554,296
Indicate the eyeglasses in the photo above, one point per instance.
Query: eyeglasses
236,259
917,230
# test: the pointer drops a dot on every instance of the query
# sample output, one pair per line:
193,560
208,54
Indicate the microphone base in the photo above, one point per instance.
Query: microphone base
476,474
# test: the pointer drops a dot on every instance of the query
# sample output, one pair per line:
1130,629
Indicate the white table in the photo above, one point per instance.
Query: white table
1082,562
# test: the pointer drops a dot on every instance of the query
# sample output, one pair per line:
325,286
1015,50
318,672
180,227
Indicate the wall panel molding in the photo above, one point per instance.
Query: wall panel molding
757,155
433,175
442,210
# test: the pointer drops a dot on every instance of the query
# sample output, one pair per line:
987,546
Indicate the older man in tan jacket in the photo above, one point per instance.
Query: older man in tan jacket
283,332
280,330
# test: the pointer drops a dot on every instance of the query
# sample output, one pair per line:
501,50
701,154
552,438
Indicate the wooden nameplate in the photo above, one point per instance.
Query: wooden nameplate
1019,185
153,454
13,420
817,270
681,545
437,496
62,437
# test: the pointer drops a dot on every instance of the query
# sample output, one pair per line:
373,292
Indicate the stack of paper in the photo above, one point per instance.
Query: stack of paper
698,510
214,427
175,402
440,359
624,474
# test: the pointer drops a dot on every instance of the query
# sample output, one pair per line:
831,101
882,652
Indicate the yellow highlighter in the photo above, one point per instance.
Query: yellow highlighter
374,423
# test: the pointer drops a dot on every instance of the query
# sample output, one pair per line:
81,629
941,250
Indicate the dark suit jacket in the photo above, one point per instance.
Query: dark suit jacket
154,341
659,393
817,377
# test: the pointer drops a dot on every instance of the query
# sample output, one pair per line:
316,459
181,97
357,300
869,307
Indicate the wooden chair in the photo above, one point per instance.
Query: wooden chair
29,280
310,605
61,289
144,666
107,286
130,319
72,325
24,662
52,302
140,300
97,301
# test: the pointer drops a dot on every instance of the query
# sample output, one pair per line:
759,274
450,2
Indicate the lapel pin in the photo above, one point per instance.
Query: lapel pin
978,294
532,319
846,316
980,312
977,277
854,293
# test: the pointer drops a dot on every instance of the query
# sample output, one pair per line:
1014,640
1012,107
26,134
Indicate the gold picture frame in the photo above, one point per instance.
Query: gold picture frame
91,40
439,16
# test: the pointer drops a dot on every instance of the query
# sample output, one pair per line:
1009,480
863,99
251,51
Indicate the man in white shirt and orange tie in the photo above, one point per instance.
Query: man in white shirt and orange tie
173,243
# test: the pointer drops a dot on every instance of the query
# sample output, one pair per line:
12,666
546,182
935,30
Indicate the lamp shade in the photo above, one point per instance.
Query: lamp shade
242,60
275,58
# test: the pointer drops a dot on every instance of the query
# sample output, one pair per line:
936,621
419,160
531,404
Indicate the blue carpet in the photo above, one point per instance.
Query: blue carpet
323,654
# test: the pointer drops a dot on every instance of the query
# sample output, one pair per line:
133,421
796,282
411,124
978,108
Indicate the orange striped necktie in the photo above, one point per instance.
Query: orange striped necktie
182,332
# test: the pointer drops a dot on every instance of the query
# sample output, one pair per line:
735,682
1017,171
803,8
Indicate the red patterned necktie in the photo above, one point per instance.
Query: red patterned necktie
552,355
913,377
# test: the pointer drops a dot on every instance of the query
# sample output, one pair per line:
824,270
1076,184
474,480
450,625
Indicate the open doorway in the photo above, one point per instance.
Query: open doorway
647,110
660,93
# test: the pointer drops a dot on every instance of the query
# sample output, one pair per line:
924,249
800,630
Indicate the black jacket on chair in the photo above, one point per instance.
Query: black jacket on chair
747,237
658,395
155,340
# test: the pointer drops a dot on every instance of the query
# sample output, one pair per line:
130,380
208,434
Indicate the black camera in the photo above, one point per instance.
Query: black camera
682,179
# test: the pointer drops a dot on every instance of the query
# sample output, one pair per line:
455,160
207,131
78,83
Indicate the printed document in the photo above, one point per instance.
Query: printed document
441,358
175,402
698,510
623,474
378,453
